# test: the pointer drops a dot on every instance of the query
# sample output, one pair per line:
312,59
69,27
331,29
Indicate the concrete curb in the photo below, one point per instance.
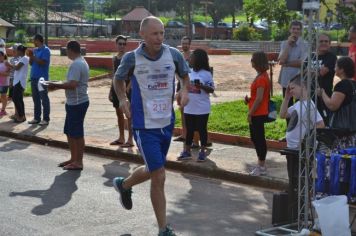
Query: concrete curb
272,145
216,173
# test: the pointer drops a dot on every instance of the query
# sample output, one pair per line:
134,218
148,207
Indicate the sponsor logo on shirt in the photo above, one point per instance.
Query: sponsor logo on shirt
158,85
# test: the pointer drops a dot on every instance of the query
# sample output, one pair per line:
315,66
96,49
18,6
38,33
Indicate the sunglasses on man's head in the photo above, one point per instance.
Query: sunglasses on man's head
323,41
121,44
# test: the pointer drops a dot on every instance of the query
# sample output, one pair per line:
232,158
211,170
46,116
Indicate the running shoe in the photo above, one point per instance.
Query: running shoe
43,122
3,113
201,157
33,122
167,232
258,171
184,156
125,194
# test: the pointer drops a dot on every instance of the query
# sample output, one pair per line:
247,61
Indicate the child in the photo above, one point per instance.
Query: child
258,109
296,131
4,82
196,112
19,84
297,90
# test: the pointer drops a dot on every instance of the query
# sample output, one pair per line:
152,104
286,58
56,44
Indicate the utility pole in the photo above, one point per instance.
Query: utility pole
46,22
93,8
206,3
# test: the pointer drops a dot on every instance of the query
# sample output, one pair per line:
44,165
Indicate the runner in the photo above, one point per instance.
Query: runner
151,69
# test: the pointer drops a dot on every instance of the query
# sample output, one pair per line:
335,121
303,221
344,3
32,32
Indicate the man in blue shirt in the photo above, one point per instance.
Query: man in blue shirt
40,60
151,69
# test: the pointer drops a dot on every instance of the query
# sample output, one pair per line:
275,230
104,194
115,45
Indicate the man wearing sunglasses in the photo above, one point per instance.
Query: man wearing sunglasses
327,61
121,41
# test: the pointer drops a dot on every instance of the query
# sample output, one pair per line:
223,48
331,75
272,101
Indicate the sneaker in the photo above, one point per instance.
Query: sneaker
201,157
43,122
167,232
3,113
33,122
195,146
125,194
258,171
184,156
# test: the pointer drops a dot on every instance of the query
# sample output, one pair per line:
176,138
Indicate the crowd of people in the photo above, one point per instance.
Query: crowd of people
143,91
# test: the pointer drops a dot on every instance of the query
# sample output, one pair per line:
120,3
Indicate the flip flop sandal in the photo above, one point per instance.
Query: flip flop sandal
126,145
63,164
72,167
116,142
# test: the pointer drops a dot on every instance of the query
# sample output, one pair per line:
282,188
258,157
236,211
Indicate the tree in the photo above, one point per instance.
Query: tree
346,14
269,10
67,5
234,5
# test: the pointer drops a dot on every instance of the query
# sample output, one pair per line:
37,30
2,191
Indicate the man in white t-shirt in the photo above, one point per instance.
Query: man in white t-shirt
296,131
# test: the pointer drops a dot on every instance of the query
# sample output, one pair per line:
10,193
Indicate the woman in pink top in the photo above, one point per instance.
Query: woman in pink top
4,81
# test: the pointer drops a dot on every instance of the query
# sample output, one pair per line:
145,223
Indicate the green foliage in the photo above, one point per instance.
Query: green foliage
58,73
269,10
21,36
279,33
231,118
346,14
246,33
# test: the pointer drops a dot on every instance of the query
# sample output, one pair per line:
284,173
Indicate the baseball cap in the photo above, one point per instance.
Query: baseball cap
14,47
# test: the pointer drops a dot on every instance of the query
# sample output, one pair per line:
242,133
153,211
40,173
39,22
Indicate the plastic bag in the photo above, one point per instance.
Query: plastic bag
333,215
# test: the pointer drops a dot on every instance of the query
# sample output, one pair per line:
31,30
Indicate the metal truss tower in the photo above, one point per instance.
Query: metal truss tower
310,71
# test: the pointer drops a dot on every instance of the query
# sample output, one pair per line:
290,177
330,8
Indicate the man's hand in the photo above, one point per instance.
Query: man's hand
292,40
182,98
247,99
125,107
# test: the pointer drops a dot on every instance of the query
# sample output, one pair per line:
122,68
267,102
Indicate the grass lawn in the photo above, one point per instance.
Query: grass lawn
59,73
231,118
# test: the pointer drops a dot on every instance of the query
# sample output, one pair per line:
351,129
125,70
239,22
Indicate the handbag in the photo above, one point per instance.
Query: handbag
272,111
345,117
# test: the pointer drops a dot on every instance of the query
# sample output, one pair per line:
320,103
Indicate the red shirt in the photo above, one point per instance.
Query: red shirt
352,54
262,80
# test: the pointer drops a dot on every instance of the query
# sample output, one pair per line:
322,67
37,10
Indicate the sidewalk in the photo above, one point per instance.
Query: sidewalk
227,162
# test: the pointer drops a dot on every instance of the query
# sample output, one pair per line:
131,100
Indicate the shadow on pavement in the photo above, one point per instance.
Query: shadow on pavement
115,169
218,209
58,195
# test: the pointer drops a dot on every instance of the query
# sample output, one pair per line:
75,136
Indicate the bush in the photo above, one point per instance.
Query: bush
279,34
246,33
21,36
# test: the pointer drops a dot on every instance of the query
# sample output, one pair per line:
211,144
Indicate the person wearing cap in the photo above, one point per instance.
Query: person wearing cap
39,60
19,84
13,61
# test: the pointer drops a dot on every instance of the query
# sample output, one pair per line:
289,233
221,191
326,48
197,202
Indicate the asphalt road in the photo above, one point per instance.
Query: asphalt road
38,198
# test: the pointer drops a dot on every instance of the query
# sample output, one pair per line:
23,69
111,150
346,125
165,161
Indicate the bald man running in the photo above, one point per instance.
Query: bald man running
151,69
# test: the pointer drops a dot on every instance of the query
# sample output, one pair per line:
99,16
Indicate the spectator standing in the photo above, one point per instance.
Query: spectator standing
185,43
296,131
13,60
326,73
196,112
19,83
344,91
40,60
77,103
293,52
154,67
258,110
4,81
352,48
121,42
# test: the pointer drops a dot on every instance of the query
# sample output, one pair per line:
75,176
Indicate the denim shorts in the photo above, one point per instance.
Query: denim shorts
3,89
153,145
74,122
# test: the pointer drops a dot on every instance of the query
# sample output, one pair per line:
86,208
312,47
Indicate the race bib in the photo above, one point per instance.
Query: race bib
159,108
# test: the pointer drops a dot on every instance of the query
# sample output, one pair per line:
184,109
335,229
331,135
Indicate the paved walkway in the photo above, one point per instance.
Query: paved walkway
225,161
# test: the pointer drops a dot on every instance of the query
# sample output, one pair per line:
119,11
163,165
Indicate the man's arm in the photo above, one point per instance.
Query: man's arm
283,113
71,85
183,96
